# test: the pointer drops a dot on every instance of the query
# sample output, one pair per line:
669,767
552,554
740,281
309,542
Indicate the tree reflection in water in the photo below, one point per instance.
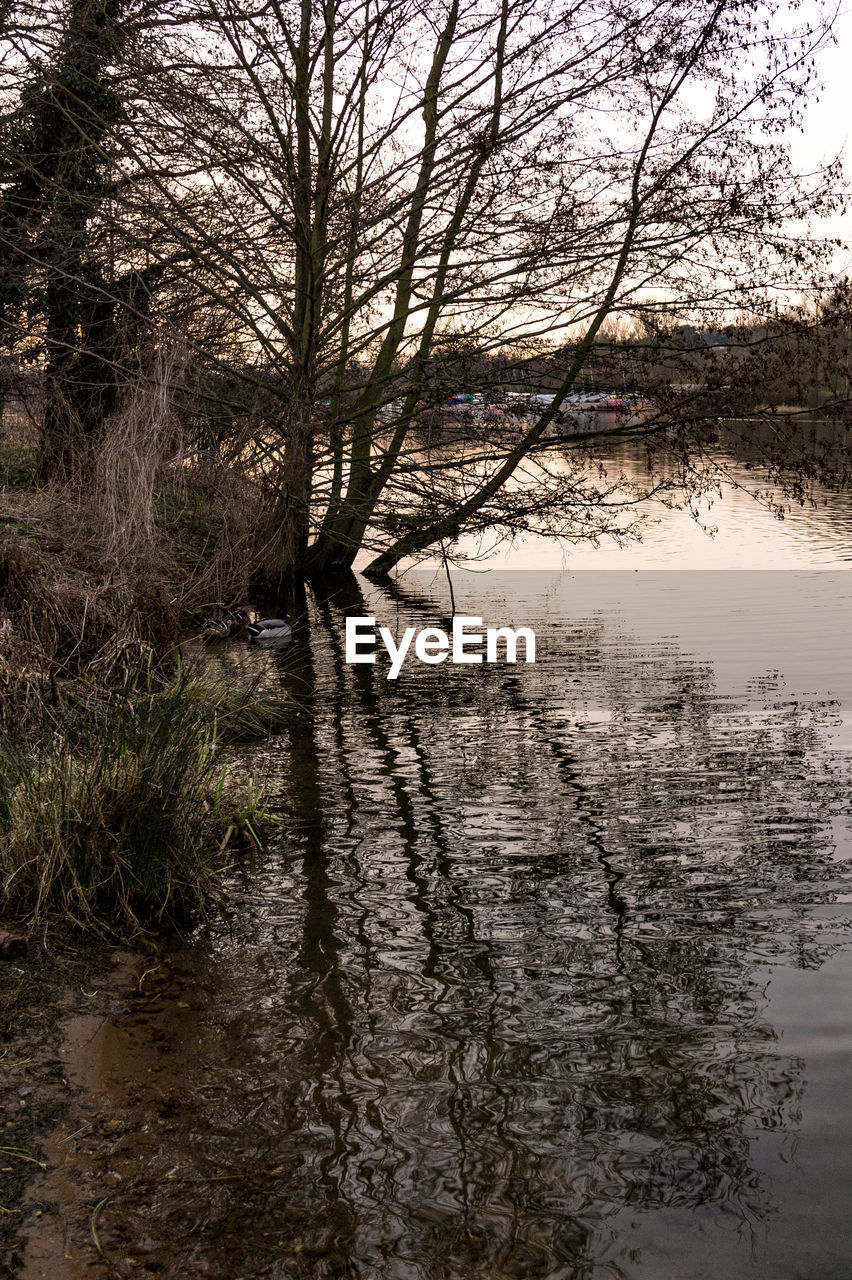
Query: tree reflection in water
497,983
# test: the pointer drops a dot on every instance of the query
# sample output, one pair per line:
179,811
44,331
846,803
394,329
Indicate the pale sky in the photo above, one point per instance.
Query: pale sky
827,121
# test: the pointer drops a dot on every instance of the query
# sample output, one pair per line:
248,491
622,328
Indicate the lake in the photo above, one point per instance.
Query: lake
546,971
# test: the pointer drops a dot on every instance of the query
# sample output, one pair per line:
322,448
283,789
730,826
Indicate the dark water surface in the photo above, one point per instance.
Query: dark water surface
546,973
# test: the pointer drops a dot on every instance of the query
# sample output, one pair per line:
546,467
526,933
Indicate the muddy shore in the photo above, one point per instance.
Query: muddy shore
53,1006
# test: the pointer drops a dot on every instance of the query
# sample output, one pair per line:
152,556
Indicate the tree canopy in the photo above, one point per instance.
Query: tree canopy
345,212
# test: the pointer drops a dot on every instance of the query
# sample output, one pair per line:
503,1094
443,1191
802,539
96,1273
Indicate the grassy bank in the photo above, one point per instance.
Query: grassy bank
116,812
117,808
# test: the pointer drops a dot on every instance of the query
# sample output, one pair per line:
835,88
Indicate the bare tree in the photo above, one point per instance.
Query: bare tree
377,199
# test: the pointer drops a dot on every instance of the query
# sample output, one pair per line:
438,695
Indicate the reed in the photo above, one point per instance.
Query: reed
117,814
242,715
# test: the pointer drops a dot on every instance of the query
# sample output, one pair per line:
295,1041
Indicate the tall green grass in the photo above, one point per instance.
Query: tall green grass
117,813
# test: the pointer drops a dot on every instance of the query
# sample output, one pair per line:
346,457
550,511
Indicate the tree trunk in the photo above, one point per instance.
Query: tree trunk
288,548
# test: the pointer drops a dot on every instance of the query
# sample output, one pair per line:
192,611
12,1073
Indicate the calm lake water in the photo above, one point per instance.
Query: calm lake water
546,973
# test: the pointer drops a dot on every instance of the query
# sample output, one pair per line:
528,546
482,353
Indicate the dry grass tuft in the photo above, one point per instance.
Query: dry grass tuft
136,445
63,626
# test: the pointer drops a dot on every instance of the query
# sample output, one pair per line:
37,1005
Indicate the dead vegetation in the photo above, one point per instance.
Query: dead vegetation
137,543
138,445
113,806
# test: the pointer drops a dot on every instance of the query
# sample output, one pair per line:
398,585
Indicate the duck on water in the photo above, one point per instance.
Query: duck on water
230,622
270,631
